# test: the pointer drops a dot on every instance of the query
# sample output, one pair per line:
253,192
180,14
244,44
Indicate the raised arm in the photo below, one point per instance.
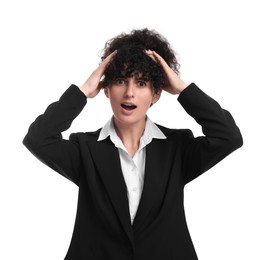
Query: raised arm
221,134
44,138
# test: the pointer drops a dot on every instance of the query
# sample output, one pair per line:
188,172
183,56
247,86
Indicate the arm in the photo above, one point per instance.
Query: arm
44,138
222,135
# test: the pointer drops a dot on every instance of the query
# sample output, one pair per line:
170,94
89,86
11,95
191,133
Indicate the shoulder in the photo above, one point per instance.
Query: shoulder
89,136
173,133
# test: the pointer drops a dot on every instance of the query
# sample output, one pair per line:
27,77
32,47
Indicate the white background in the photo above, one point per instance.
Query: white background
47,45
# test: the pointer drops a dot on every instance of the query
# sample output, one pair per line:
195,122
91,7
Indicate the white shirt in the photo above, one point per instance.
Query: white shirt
133,168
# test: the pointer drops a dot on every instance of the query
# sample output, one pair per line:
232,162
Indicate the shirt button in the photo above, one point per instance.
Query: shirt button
135,189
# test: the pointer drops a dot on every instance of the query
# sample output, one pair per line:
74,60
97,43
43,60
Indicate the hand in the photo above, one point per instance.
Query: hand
93,84
174,84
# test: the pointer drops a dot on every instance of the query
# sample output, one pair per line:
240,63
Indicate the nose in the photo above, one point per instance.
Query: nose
129,92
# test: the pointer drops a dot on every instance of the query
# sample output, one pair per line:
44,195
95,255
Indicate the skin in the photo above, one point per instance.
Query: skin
130,124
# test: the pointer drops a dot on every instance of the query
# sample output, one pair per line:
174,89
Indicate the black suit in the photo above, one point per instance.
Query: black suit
103,230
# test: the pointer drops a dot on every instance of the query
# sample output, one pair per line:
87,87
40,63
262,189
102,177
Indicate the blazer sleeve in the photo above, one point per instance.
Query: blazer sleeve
44,138
221,134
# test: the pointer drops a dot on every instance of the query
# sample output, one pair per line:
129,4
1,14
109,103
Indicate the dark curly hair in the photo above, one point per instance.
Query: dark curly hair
131,59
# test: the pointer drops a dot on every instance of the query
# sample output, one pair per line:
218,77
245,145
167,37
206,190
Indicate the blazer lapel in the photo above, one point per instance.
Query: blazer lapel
106,157
155,180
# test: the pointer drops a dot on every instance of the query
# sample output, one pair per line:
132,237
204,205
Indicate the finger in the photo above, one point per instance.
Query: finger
109,58
100,85
150,54
102,66
160,60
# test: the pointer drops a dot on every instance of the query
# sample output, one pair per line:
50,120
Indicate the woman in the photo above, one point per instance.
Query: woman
131,173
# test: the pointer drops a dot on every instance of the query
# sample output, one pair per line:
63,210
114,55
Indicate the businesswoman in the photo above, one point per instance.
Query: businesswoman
131,172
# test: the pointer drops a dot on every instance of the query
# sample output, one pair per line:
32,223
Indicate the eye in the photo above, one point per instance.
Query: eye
142,83
120,81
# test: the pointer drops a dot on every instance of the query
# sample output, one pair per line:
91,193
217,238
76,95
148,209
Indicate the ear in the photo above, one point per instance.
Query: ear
156,97
106,92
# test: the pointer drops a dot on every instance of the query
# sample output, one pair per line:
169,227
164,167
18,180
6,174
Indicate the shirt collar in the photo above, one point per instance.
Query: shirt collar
151,131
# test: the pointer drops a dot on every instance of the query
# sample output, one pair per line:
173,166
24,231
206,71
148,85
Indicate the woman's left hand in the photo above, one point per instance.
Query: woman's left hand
174,85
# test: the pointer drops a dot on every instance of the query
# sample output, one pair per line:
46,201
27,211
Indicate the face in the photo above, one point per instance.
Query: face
130,99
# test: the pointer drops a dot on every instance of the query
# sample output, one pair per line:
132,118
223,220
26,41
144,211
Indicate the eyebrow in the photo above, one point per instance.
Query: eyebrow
143,78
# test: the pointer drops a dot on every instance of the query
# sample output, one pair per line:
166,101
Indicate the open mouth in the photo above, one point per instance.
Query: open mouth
128,106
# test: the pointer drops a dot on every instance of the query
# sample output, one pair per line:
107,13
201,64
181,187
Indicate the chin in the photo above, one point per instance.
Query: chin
129,120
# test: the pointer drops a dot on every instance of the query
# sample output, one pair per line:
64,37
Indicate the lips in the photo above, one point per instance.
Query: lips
128,106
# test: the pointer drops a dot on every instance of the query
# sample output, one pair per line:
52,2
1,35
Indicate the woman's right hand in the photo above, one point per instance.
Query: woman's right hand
93,85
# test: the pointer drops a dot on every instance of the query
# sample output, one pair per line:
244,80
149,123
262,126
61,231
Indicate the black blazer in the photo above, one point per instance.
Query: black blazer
103,230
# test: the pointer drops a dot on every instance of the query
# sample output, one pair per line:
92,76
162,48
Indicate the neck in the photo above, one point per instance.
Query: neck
130,134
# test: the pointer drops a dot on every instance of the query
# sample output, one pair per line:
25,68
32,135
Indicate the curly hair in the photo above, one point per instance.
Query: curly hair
131,59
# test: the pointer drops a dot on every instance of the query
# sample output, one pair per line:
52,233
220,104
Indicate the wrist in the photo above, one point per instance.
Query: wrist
182,86
84,90
179,86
